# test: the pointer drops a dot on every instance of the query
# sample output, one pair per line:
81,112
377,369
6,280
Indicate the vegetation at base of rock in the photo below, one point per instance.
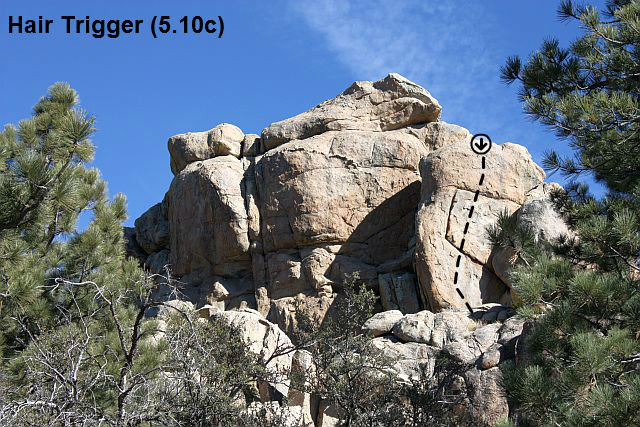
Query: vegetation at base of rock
357,381
580,361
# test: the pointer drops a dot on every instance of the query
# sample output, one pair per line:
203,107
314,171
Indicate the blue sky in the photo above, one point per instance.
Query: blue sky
276,59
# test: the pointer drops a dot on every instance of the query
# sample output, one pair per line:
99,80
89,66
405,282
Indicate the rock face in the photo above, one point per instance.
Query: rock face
369,186
278,222
152,230
185,148
206,199
388,104
454,183
270,343
417,341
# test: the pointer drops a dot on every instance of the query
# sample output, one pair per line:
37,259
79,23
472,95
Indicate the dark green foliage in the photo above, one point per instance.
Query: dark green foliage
434,399
112,366
214,374
580,363
587,93
350,372
44,187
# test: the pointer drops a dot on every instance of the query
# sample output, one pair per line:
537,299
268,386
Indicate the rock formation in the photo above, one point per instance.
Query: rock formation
369,186
451,188
370,182
416,340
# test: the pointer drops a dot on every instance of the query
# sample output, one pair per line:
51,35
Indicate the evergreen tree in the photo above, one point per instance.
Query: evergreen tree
77,345
45,186
581,364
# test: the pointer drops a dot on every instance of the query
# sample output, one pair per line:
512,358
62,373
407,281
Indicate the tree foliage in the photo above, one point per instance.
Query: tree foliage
45,186
358,381
582,364
78,346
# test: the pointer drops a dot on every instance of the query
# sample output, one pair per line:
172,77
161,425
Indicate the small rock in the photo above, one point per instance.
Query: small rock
451,326
207,311
504,315
490,358
132,247
468,350
382,323
415,327
158,262
152,230
490,317
170,308
328,415
510,329
487,398
251,145
226,140
186,148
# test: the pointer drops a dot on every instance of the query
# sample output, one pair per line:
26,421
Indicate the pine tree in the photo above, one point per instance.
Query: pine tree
582,364
45,185
78,346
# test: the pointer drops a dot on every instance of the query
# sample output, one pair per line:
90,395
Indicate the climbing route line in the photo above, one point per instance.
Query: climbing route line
481,147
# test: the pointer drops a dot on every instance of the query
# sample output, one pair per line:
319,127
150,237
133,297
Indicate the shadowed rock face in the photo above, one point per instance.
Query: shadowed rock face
370,182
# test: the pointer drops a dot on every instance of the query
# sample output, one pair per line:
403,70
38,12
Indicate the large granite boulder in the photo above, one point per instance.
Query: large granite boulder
460,200
539,214
318,199
391,103
334,205
152,229
269,342
209,228
369,186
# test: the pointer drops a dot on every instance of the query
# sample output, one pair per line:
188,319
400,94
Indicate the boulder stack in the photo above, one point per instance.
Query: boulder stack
369,186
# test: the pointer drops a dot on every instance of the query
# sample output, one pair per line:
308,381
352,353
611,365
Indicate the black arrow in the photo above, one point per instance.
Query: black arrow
481,145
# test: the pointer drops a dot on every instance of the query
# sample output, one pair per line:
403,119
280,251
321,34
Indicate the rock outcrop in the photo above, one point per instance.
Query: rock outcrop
417,341
370,183
369,186
460,199
277,221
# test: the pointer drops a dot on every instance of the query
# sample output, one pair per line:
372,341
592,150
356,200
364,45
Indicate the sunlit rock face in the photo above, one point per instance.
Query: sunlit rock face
369,184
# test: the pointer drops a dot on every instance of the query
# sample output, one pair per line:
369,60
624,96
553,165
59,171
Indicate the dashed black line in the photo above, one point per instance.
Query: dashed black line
466,229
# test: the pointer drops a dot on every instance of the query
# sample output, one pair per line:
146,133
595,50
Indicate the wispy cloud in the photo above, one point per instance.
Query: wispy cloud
442,45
